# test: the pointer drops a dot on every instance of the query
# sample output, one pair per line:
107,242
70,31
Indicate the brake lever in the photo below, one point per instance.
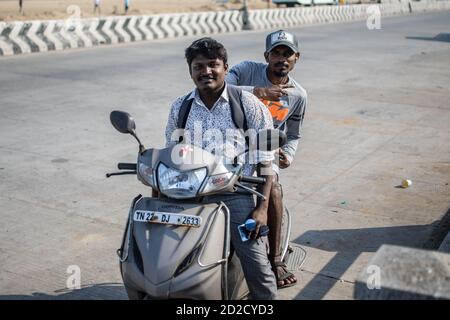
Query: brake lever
251,190
120,173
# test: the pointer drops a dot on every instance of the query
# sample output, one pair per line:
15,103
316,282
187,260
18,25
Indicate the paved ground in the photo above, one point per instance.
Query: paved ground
378,113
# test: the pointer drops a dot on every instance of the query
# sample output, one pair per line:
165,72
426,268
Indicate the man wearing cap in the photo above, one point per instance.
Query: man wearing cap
286,101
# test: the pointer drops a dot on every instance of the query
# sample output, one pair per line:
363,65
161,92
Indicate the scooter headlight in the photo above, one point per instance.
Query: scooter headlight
147,174
178,184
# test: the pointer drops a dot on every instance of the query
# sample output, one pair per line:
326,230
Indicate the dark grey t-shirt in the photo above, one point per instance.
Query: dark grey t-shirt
288,113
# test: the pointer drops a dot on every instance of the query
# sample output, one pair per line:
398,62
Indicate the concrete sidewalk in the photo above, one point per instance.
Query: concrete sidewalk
378,113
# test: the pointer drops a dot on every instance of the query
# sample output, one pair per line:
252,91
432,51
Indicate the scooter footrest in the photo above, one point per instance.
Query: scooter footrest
296,258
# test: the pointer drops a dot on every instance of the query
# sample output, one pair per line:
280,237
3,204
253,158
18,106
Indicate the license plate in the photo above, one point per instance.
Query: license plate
167,218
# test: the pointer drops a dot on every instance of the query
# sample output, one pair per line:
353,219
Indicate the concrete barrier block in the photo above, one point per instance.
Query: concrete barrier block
401,273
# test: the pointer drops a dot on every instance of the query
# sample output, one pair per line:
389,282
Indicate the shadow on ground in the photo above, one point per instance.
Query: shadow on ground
103,291
348,244
442,37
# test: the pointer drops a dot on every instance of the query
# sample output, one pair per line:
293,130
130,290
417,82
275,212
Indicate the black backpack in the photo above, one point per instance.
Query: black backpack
237,109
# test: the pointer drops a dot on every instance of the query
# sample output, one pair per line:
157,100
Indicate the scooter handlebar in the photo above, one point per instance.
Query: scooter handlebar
126,166
250,179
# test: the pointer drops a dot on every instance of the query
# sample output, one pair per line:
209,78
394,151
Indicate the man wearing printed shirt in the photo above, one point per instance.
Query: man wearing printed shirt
210,109
286,101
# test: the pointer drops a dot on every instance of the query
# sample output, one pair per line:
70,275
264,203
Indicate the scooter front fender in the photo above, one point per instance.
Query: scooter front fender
168,261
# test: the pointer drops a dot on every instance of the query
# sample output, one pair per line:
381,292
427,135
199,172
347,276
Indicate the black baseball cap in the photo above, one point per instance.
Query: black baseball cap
281,37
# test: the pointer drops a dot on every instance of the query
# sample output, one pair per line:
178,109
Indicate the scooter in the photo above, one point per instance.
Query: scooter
175,246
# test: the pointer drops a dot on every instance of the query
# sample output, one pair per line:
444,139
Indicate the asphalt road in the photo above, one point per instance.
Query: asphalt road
378,113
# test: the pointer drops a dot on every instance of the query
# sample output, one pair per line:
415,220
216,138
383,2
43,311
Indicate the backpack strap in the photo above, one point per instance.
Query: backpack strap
183,114
237,109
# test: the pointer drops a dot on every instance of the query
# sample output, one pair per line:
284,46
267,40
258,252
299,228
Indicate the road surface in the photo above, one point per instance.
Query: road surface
378,113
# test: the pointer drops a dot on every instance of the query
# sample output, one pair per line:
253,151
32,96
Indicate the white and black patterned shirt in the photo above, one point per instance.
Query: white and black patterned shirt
213,123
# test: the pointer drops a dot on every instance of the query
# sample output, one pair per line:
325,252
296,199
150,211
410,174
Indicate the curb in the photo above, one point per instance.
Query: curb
21,37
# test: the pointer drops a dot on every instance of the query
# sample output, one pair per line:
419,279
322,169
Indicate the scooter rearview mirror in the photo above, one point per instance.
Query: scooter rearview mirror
122,121
271,139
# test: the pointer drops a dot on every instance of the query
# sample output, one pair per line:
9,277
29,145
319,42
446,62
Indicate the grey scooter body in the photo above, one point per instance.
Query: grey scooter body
170,262
164,261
